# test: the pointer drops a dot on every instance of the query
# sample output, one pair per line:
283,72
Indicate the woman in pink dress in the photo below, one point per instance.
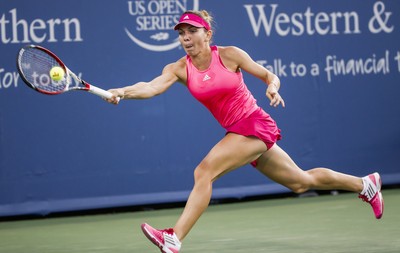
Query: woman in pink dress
213,75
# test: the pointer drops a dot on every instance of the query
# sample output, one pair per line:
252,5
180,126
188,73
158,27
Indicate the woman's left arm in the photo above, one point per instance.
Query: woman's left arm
246,63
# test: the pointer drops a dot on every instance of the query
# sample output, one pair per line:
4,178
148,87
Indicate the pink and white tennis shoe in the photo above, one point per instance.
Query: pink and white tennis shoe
372,193
165,239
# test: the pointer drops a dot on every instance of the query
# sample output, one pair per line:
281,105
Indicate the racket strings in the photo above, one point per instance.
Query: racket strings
35,65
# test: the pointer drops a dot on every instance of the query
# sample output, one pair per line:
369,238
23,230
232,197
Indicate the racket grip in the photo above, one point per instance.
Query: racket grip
100,92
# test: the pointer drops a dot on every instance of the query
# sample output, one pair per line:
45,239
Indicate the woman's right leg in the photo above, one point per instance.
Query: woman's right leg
231,152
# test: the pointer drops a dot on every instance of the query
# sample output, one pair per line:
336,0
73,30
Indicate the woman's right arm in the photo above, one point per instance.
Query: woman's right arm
143,90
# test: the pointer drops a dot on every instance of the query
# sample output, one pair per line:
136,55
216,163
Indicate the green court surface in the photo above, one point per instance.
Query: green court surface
325,224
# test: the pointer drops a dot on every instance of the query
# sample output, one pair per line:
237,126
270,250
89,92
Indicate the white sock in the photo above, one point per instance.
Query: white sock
365,181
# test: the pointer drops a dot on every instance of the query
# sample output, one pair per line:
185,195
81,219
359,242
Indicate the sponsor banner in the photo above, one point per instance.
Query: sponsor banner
338,62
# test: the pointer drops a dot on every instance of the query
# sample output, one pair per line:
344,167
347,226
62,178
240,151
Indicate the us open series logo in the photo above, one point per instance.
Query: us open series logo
152,22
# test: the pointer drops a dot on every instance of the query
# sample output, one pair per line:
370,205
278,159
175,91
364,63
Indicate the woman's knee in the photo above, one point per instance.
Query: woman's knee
199,174
203,173
303,184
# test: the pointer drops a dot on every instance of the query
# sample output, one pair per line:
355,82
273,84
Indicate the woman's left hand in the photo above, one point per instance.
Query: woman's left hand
274,96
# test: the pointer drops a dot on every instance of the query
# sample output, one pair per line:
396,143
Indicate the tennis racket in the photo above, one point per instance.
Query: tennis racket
34,64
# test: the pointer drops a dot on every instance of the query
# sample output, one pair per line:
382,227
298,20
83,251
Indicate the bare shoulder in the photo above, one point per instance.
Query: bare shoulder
232,57
175,65
177,68
231,52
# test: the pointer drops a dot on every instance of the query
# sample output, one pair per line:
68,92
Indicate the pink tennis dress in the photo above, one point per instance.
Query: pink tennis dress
227,97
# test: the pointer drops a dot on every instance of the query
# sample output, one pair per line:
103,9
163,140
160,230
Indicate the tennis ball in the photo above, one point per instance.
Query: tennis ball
57,73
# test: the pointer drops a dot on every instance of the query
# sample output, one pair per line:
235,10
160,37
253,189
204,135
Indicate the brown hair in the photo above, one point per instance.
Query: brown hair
204,15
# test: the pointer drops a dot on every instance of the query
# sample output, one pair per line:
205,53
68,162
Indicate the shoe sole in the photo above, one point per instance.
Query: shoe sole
152,238
376,175
383,205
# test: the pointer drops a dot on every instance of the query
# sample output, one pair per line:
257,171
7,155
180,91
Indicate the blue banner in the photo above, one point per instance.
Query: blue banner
338,61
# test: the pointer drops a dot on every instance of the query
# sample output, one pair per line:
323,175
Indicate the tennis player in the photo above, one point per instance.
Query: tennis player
213,75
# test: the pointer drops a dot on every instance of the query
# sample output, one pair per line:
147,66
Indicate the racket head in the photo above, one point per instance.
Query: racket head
34,64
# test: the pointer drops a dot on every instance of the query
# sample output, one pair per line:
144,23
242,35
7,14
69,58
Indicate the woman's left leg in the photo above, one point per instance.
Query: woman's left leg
277,165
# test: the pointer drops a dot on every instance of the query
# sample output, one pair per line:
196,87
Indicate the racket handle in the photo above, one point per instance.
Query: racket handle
100,92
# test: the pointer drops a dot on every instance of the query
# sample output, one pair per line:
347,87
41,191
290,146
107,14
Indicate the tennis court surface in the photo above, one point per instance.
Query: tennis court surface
324,224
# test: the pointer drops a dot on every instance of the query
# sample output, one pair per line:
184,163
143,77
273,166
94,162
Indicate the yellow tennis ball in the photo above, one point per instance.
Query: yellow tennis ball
57,73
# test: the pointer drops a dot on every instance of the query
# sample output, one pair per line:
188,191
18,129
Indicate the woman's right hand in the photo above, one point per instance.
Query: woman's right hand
118,94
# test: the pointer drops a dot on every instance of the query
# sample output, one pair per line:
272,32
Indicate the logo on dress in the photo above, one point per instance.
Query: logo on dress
206,77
